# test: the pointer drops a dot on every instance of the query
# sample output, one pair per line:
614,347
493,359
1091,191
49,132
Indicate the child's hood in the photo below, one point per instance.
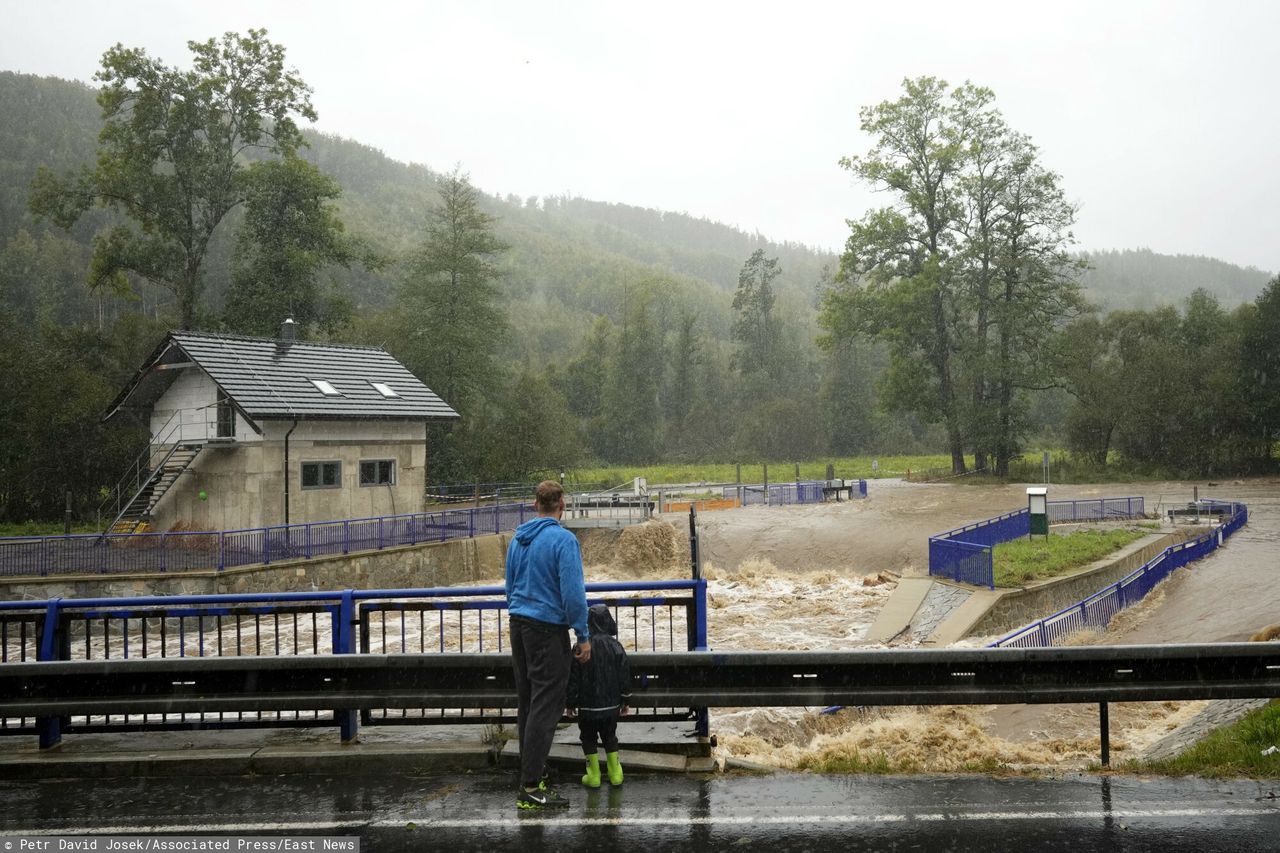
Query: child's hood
600,620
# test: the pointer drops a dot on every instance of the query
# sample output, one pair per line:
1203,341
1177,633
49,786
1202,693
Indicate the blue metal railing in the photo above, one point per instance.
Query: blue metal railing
651,616
1096,611
964,554
114,553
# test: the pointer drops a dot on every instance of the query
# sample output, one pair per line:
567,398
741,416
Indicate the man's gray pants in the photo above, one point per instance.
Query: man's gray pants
541,655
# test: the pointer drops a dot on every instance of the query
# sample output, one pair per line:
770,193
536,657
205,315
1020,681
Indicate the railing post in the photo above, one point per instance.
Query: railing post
266,546
471,522
1104,732
379,533
50,728
346,536
702,719
164,551
348,720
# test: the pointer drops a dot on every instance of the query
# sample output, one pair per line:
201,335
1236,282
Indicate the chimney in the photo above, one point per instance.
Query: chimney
288,330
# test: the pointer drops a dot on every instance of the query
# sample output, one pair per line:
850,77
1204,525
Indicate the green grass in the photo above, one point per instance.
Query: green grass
1015,563
43,528
847,467
1234,750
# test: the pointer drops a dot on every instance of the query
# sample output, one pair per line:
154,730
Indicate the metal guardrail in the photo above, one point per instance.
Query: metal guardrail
117,553
346,683
651,616
40,556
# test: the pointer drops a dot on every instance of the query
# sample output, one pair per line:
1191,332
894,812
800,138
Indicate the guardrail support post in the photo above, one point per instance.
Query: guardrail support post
702,718
50,728
1104,733
343,644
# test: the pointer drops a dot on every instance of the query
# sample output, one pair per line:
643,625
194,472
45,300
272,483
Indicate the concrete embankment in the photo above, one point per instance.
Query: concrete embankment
433,564
974,611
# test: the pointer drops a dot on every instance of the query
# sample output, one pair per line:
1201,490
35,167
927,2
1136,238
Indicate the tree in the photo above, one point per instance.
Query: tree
898,280
965,278
290,232
754,327
451,320
171,156
1260,369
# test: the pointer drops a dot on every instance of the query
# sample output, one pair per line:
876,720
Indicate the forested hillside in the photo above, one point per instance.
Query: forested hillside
566,331
1141,278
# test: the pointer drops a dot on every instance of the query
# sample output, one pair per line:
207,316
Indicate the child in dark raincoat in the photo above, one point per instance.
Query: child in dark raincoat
599,690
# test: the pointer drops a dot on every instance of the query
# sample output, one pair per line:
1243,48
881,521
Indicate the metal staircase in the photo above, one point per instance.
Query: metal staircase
151,475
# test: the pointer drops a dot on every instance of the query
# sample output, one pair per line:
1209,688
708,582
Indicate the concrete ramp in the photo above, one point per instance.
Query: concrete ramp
959,623
897,613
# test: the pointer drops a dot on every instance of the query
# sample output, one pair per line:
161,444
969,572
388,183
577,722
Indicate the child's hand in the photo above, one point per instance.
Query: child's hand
571,712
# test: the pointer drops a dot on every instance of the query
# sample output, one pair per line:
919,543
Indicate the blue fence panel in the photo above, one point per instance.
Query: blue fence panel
1097,610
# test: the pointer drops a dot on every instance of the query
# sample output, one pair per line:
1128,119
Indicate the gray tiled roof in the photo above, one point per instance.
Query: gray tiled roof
270,378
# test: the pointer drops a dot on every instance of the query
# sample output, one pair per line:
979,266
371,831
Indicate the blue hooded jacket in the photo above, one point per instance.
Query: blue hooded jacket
544,575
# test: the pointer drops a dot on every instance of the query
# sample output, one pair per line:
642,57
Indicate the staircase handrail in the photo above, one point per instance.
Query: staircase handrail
134,476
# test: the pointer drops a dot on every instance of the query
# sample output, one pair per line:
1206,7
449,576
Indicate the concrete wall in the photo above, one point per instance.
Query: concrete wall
244,481
1017,607
458,562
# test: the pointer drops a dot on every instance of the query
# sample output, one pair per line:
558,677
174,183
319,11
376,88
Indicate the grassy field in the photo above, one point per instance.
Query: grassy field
1234,750
1015,563
1062,469
848,467
43,528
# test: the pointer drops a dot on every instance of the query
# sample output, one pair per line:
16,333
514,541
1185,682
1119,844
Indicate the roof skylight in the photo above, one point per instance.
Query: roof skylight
384,389
325,388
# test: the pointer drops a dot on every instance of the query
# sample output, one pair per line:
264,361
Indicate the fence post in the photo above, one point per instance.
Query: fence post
379,533
50,728
348,721
307,528
266,546
164,551
222,550
346,537
471,522
702,719
693,542
766,484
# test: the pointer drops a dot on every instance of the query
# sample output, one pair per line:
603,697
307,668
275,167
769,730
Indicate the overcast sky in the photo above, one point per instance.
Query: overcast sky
1163,118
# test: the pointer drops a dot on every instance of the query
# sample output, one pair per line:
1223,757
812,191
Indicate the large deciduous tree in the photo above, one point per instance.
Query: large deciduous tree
965,276
171,156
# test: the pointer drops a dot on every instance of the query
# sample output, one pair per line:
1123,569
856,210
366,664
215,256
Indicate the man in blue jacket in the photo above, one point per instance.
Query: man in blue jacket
546,596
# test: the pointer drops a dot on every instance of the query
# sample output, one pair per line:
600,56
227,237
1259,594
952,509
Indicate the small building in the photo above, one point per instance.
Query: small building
252,432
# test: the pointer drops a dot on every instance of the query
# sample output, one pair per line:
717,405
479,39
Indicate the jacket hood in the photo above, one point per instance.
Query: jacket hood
600,621
529,531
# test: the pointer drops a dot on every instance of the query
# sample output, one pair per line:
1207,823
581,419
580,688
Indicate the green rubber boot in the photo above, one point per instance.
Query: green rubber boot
615,768
592,777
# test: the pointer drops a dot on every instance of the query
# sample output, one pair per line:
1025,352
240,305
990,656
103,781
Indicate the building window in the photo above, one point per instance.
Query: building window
325,388
321,475
226,416
377,472
384,389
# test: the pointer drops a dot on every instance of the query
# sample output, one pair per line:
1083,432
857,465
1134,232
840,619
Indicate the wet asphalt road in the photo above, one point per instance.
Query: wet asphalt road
781,812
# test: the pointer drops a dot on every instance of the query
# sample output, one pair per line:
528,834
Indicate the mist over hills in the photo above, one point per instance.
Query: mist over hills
571,259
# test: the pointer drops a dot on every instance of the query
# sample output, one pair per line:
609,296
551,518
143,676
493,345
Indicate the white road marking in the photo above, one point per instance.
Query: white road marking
512,821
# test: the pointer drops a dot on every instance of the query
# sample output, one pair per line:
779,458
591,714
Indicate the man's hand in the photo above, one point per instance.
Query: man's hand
625,710
582,651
